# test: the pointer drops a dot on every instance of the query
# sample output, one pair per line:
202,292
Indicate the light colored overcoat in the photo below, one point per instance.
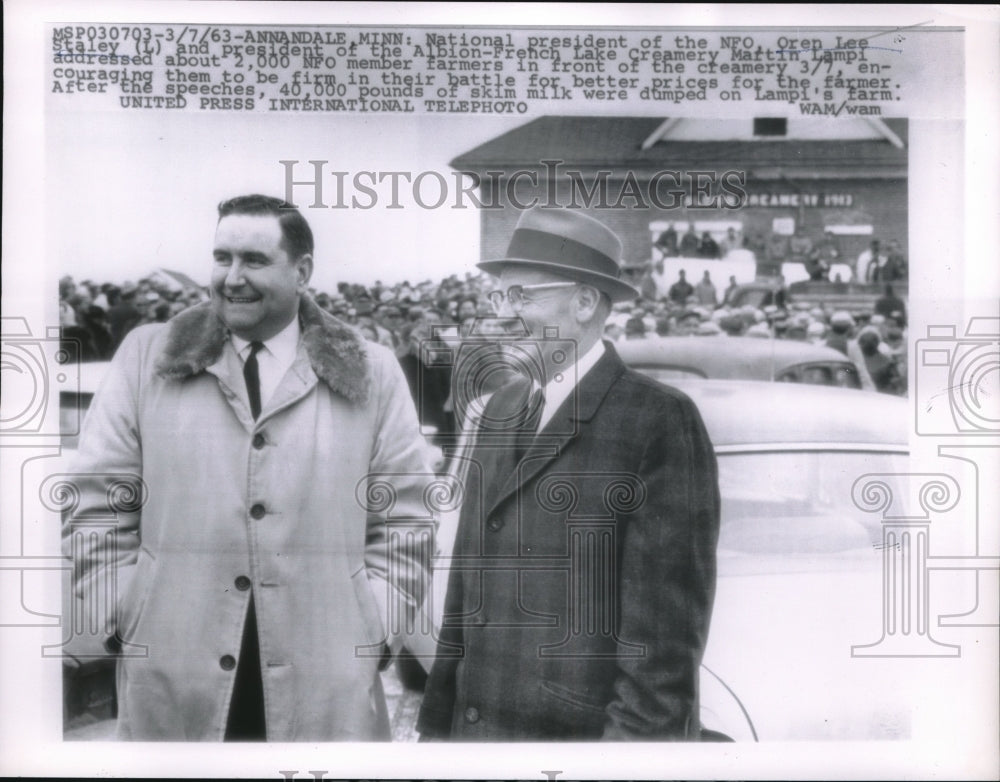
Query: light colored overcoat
319,504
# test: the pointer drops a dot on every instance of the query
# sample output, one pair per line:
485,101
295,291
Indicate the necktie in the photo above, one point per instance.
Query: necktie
251,374
516,421
529,426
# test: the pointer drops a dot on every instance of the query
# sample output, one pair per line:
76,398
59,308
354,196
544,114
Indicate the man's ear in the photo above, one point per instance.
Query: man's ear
304,267
588,300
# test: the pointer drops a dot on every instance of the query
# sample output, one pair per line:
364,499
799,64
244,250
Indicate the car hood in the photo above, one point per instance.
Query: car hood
779,655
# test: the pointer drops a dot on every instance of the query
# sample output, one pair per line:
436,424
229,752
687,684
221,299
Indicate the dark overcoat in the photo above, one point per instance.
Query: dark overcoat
582,579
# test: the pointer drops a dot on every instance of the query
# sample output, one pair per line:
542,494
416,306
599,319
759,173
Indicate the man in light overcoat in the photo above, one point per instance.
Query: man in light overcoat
280,540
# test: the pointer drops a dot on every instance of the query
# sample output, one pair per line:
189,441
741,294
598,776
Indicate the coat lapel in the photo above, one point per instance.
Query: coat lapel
564,426
335,352
228,371
297,382
496,435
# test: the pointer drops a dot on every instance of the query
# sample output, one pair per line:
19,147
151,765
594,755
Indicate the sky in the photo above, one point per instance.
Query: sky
138,190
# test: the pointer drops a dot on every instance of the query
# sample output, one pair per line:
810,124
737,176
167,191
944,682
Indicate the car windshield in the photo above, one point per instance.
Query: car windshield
790,503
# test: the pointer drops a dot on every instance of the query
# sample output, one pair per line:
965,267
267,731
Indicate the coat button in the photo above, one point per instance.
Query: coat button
495,524
259,441
227,662
472,714
242,583
257,511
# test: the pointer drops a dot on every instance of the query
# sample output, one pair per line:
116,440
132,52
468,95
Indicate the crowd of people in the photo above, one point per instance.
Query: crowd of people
403,315
818,254
94,319
876,341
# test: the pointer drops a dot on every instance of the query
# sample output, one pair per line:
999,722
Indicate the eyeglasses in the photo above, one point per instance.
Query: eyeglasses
515,294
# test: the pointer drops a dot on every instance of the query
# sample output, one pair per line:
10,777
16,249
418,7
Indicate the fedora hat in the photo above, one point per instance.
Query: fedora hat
569,244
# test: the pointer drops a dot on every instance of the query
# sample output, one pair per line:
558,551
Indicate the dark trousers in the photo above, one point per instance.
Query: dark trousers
246,710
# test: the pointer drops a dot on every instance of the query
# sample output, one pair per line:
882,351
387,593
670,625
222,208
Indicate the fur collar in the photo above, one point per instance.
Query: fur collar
196,336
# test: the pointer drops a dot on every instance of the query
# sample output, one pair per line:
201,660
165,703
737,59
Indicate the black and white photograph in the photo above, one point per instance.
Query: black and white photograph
409,391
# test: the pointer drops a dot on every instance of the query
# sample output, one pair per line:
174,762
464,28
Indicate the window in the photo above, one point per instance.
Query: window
770,126
788,503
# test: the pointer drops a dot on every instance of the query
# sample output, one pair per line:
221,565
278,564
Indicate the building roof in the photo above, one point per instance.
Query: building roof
618,141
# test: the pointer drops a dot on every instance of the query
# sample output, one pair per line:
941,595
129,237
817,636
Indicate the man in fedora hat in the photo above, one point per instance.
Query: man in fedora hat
583,570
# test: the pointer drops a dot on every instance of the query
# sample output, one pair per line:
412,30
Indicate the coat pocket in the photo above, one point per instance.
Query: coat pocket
573,698
131,602
369,609
568,714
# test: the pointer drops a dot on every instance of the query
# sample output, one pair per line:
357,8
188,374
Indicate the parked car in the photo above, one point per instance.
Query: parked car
739,358
799,565
857,298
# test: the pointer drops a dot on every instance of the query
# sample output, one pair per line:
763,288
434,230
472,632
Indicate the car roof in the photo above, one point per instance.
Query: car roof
797,415
749,358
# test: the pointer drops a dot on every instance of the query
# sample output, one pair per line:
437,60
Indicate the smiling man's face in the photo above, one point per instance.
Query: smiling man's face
255,284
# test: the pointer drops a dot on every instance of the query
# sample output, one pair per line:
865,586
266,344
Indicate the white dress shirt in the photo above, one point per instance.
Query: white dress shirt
557,391
274,360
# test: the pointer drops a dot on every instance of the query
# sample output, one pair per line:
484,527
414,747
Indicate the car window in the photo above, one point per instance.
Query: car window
800,502
814,374
846,376
825,373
